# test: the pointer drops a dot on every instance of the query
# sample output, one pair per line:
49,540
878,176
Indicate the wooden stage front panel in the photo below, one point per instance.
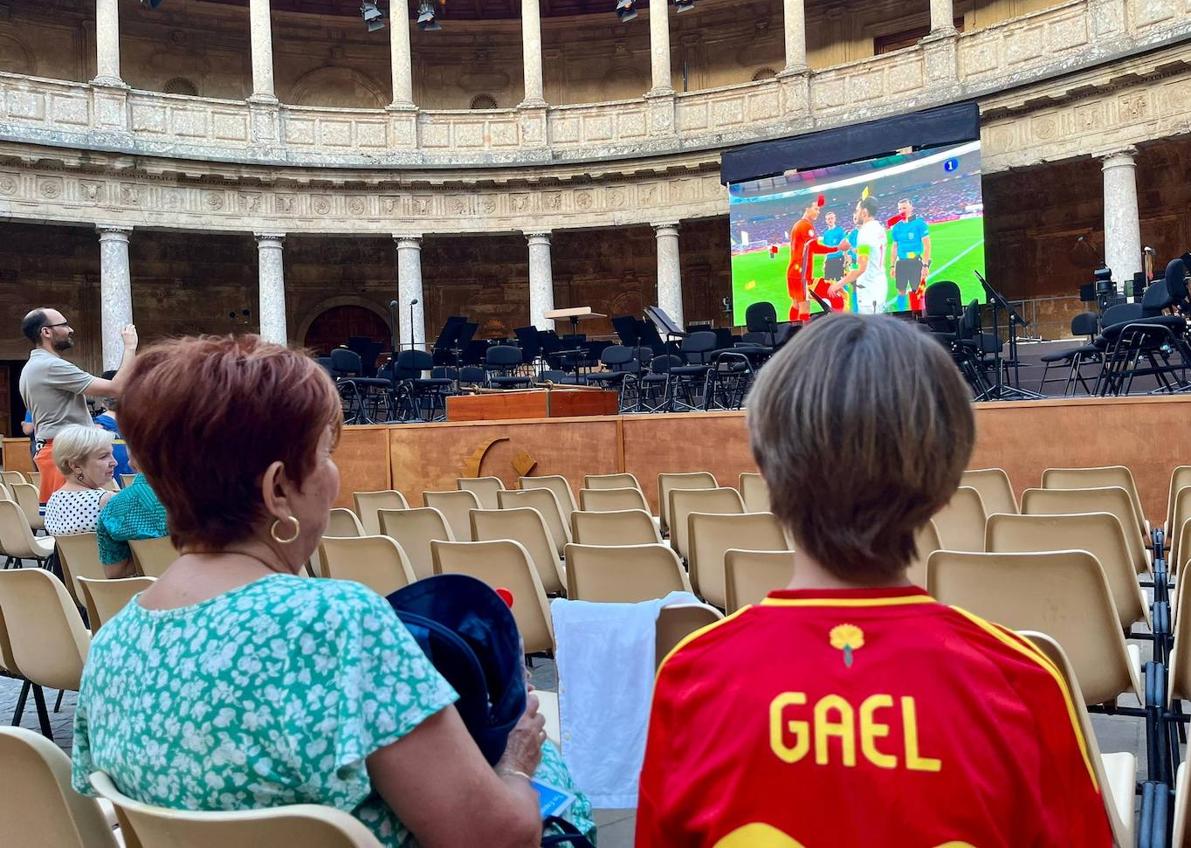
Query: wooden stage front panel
540,403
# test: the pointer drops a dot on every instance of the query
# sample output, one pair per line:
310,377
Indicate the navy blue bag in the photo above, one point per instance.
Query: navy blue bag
470,636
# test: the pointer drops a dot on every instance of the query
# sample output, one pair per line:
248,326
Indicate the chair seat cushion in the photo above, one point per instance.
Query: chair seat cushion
690,370
1060,356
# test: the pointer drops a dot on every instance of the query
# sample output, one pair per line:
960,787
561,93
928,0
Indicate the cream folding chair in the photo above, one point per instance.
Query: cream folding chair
17,541
612,500
685,501
1180,478
35,479
751,575
1098,533
677,622
1176,552
623,574
504,564
5,492
1111,499
754,491
926,542
1181,801
153,556
297,826
37,804
48,639
713,534
414,530
484,488
105,598
611,481
994,487
526,527
78,554
561,488
1116,774
368,503
342,523
12,478
26,497
621,527
376,561
960,524
1068,599
545,502
454,506
668,482
1178,686
1099,478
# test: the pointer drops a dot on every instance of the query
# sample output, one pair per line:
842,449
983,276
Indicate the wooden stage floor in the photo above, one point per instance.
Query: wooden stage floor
1150,435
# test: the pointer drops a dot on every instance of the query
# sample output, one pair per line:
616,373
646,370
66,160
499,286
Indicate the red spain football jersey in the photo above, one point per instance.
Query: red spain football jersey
860,718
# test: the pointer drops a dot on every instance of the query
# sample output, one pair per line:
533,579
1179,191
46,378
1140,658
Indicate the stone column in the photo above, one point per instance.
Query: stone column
412,329
261,27
531,50
107,43
669,272
401,57
1122,225
942,17
541,280
115,292
272,287
794,17
659,46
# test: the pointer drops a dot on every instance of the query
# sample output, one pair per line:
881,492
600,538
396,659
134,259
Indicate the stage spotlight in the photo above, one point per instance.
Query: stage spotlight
426,17
373,17
681,6
626,10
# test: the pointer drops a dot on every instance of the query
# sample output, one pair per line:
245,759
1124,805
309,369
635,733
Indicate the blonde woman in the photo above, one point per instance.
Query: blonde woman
84,456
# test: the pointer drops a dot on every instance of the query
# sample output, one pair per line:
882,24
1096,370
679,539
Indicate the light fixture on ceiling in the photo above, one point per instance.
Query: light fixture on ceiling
626,10
681,6
373,17
427,16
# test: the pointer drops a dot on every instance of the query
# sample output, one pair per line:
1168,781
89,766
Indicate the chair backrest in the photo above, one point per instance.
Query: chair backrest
612,500
484,488
11,478
668,482
618,527
297,826
49,641
926,542
502,356
1098,533
126,480
78,554
960,524
994,487
623,574
1061,593
1111,499
376,561
751,575
754,491
1180,478
1179,681
27,499
369,503
1053,651
37,804
105,598
454,506
675,623
611,481
504,564
1180,511
685,501
527,527
545,502
153,556
414,530
16,536
561,488
1098,478
713,534
342,521
760,317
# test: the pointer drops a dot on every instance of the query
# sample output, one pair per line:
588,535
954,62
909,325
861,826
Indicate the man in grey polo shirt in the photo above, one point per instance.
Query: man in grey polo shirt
54,389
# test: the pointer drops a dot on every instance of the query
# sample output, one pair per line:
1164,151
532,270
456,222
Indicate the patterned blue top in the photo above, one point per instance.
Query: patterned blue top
132,513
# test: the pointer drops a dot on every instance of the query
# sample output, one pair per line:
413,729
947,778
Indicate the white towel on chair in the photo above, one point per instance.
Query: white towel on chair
605,659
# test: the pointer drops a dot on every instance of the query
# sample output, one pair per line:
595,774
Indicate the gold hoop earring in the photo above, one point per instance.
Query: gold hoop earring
291,539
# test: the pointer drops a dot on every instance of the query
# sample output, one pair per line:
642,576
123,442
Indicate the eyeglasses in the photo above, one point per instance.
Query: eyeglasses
59,324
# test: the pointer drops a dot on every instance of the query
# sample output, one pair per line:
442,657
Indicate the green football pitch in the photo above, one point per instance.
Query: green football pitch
957,249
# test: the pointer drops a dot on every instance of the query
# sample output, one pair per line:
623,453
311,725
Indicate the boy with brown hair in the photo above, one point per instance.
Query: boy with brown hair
852,708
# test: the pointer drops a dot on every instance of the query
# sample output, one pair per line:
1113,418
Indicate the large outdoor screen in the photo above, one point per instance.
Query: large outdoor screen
865,236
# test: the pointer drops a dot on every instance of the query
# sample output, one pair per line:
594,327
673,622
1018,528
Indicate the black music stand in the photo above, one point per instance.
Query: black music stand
447,346
998,390
664,323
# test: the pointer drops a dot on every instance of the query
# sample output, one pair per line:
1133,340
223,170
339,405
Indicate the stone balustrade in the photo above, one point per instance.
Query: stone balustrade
1060,40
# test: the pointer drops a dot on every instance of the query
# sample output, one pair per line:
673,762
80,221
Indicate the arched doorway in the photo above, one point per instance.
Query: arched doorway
336,325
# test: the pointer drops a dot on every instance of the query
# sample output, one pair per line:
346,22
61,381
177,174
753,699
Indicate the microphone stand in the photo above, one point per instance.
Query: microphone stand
393,326
412,339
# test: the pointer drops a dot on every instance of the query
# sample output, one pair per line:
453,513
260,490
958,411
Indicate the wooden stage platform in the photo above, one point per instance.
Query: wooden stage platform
1151,435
